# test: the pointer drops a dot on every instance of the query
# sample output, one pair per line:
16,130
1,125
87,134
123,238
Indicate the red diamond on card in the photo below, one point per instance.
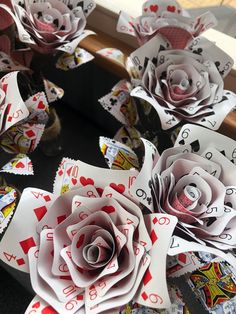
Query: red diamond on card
9,119
80,297
61,218
144,296
20,261
40,212
155,220
49,310
153,236
60,173
30,133
147,277
47,198
27,244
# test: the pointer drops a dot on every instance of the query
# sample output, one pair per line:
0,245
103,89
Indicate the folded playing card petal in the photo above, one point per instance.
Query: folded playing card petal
21,122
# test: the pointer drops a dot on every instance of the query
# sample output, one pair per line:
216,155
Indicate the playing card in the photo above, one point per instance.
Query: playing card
123,299
149,51
16,108
20,237
143,237
142,186
192,135
23,34
167,119
117,155
71,46
7,206
208,49
78,174
60,285
8,64
53,92
71,61
113,54
125,24
39,306
22,138
153,291
44,291
179,245
182,264
216,272
20,164
228,170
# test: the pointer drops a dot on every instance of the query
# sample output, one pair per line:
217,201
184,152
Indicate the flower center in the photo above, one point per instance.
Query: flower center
186,198
47,18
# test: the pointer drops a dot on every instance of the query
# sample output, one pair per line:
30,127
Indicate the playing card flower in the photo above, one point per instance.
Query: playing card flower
195,181
51,25
184,85
168,19
87,249
21,122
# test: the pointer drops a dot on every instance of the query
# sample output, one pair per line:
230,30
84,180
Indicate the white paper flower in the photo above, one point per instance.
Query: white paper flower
195,181
52,25
185,85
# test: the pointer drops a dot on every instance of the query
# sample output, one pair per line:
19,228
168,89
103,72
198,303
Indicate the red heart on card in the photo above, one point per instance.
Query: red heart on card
41,105
49,310
118,187
100,191
86,181
154,8
36,305
74,181
108,209
20,165
171,8
35,98
145,9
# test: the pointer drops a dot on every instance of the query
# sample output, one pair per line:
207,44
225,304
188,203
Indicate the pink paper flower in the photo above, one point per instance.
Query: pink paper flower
168,19
52,25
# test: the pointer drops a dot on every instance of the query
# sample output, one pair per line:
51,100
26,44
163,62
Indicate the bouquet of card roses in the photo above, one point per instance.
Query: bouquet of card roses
176,75
102,238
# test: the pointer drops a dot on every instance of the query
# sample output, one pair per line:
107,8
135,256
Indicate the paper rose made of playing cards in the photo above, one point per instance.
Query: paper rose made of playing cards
184,85
168,19
51,25
89,251
21,122
194,181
